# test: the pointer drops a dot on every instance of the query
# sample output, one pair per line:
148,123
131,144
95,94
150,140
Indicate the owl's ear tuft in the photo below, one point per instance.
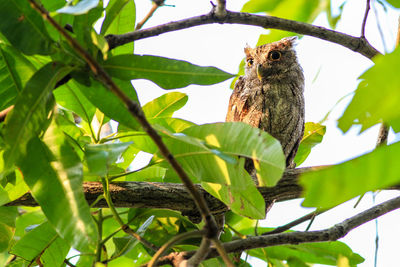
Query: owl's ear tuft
290,41
247,50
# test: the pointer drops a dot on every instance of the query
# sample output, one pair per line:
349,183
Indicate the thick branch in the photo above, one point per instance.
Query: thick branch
359,45
331,234
174,196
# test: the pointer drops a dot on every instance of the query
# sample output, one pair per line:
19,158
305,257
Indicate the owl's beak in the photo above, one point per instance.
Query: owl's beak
259,66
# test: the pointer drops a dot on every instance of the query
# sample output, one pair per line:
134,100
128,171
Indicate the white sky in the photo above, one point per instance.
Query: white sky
337,69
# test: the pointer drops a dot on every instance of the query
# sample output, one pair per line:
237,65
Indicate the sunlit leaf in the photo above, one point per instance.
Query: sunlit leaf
24,27
31,111
120,18
377,97
313,135
255,6
333,185
15,71
165,72
81,7
54,172
165,105
151,174
12,191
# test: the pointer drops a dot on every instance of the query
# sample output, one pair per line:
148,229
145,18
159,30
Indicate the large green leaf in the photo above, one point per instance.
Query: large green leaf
313,134
110,104
333,185
165,105
15,71
31,111
165,72
24,27
377,96
243,140
53,172
255,6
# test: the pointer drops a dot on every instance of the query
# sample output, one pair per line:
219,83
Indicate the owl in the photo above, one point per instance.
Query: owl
270,95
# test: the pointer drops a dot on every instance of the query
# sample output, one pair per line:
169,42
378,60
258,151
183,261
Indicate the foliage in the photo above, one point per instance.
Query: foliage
54,140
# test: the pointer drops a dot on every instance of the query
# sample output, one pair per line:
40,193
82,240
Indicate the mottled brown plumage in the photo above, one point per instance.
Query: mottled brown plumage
270,95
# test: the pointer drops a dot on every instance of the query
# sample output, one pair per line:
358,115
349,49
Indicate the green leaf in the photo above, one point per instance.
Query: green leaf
165,105
31,111
15,71
81,7
110,104
371,103
333,185
100,157
394,3
243,140
124,245
8,215
24,27
150,174
174,125
314,253
70,97
313,135
120,18
55,254
300,10
13,191
34,242
255,6
165,72
6,235
54,175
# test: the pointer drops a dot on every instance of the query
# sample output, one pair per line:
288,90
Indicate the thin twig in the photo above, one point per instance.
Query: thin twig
296,222
364,22
124,226
222,252
172,242
382,135
330,234
154,6
136,111
359,45
201,253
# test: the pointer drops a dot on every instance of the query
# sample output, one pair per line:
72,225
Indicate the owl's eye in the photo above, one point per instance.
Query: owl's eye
274,55
249,62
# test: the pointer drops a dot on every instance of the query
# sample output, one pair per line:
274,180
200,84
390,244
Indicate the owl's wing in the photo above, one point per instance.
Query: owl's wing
242,105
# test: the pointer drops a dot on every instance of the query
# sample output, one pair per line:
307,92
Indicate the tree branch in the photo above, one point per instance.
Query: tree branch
331,234
174,196
356,44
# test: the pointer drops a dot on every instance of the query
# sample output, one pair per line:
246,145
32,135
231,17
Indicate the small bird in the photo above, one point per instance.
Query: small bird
270,95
